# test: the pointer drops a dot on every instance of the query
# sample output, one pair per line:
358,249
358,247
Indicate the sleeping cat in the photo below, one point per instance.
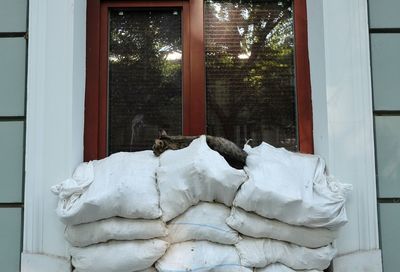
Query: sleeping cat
235,156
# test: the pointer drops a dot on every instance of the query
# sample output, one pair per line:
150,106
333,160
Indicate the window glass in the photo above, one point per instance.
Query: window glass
250,71
145,77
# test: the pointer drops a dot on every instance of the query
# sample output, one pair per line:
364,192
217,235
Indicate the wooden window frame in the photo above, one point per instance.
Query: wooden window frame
194,107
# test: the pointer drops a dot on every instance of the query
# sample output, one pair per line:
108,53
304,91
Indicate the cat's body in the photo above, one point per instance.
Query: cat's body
235,156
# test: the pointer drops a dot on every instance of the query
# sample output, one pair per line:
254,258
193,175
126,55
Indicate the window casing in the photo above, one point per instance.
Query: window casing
193,72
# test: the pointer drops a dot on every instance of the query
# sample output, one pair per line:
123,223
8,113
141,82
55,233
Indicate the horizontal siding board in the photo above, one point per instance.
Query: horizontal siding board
10,239
386,71
388,154
384,13
11,161
13,15
389,229
12,76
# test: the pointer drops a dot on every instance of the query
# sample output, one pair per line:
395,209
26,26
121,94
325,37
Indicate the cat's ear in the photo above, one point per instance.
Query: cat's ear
162,133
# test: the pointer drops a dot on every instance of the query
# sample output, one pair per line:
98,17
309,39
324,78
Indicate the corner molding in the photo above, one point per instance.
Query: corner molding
54,125
33,212
342,111
44,263
359,262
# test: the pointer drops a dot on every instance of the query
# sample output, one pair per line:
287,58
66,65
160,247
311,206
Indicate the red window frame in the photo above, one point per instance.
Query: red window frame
194,121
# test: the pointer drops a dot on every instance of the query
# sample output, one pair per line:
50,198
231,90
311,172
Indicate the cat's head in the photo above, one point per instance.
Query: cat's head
162,143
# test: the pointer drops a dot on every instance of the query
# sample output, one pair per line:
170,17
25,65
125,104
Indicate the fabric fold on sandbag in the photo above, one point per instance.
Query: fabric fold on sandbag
262,252
195,173
200,256
205,221
115,228
253,225
150,269
292,188
277,267
118,256
123,185
71,189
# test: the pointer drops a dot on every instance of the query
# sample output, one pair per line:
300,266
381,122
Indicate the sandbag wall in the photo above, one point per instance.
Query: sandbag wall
188,210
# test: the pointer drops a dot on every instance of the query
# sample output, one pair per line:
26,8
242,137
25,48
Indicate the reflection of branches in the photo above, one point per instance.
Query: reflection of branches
142,81
261,33
249,62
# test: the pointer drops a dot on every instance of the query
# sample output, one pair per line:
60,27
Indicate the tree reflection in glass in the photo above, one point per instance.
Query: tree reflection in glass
145,77
250,71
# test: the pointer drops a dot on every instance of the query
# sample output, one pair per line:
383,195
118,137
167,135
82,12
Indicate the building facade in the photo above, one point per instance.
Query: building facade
354,118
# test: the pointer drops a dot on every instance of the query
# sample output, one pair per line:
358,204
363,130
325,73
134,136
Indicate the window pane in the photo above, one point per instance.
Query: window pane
145,77
250,71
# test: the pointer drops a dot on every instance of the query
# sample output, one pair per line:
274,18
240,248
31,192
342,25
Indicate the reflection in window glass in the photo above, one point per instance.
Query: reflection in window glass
145,77
250,71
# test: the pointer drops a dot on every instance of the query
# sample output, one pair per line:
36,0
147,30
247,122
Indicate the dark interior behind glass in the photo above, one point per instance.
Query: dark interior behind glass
145,77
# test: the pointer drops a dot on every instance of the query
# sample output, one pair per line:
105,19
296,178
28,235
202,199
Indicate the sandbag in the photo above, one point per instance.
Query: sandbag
251,224
118,256
205,221
262,252
122,184
192,174
277,267
115,228
200,256
292,188
150,269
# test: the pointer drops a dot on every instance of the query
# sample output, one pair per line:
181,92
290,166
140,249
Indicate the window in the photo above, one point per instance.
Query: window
237,69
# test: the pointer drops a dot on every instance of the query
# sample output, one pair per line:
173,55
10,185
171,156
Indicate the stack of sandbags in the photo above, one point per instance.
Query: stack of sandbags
111,209
189,210
288,211
197,187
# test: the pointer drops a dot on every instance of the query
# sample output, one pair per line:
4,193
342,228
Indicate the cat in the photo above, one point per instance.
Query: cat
234,155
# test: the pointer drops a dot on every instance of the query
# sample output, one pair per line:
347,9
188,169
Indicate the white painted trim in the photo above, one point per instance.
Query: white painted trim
33,215
54,126
359,261
342,111
44,263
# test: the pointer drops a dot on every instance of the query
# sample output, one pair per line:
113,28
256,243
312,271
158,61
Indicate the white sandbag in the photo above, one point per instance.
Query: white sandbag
251,224
277,267
292,188
114,228
263,252
200,256
118,256
192,174
122,184
151,269
205,221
